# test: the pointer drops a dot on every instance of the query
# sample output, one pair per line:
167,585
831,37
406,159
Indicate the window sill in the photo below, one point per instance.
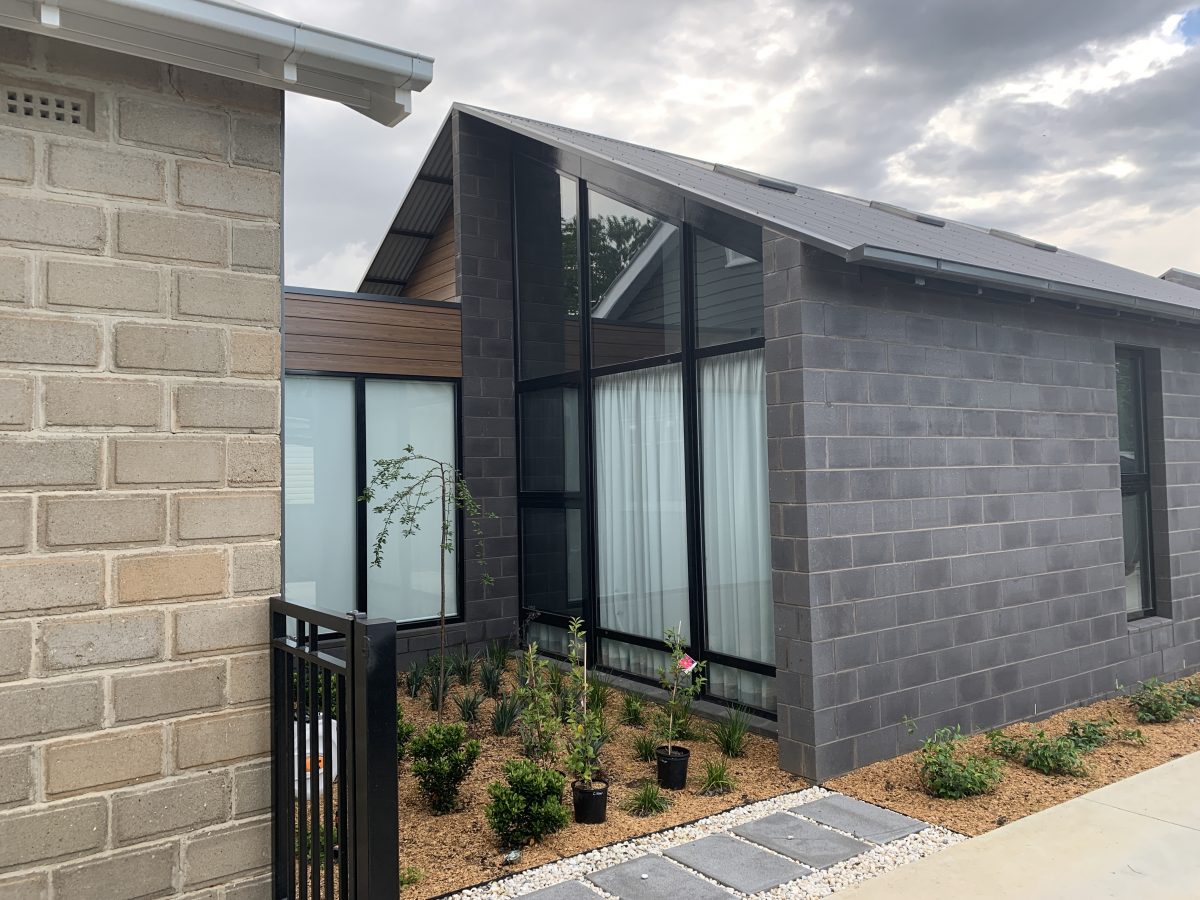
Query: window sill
1148,623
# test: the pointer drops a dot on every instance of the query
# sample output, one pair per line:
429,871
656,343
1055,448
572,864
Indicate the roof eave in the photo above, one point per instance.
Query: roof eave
1012,281
239,42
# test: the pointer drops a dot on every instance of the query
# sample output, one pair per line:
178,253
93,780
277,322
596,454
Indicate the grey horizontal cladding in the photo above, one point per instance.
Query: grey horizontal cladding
840,224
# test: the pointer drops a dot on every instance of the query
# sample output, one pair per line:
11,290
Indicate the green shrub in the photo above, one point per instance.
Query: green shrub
404,733
647,800
717,779
439,689
529,807
442,758
633,710
643,747
490,679
468,706
410,875
599,690
462,665
1158,703
732,732
539,721
682,679
498,655
1048,755
1188,691
414,678
1089,734
504,714
949,772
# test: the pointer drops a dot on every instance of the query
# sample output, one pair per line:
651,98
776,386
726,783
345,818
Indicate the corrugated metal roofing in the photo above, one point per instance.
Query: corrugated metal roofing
425,205
855,230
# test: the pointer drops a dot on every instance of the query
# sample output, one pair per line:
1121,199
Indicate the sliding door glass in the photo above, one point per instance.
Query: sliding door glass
319,537
407,587
641,514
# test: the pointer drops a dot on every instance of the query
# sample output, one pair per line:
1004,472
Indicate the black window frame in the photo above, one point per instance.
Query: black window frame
690,218
361,476
1140,483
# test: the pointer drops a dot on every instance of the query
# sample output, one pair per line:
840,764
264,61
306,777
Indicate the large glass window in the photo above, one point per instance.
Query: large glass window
552,560
641,509
407,587
1135,481
326,552
737,563
547,224
633,258
550,439
320,536
729,300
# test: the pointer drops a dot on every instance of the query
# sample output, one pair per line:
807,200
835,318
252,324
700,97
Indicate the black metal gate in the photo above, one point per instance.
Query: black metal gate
333,755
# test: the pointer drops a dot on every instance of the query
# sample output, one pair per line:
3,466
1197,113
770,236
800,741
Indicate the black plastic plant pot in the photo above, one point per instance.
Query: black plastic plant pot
591,803
672,766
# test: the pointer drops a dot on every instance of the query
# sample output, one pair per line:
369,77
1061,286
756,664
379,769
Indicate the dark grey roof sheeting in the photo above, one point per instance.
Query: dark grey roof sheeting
855,230
428,199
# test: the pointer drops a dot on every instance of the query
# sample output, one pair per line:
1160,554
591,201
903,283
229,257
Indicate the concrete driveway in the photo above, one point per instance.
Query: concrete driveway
1138,838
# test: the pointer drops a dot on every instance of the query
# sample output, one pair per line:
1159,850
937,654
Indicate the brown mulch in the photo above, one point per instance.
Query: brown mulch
458,850
893,783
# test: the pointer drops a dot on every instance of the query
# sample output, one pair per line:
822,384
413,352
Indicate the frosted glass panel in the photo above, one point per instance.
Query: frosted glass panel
319,492
421,413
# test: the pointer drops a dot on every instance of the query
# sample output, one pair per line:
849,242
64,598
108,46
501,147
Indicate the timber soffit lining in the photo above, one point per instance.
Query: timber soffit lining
874,234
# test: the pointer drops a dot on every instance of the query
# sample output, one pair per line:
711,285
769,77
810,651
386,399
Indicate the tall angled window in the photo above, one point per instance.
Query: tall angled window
1135,481
633,262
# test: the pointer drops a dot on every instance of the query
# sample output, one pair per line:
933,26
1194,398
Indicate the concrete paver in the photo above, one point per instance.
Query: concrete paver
864,820
743,867
802,841
654,878
568,890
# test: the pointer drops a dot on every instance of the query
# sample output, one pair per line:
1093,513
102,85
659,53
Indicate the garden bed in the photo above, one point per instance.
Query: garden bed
458,849
894,783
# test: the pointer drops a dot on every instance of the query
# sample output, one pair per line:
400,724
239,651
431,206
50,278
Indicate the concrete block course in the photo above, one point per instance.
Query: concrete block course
55,831
256,247
16,404
226,516
77,642
174,127
195,349
16,158
29,221
44,340
176,805
254,461
15,288
226,189
45,709
16,516
155,694
144,872
223,852
255,569
52,463
51,585
244,299
171,237
227,407
228,737
77,521
256,142
79,167
16,650
16,777
177,462
225,626
124,287
249,678
101,761
254,354
171,575
73,401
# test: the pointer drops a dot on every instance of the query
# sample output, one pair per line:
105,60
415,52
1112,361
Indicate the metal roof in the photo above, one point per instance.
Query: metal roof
1182,276
429,198
879,234
224,37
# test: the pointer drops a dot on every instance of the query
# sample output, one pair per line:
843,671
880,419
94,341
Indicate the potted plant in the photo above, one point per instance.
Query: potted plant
682,680
585,736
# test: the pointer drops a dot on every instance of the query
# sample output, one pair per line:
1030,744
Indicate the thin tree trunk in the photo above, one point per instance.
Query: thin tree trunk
442,610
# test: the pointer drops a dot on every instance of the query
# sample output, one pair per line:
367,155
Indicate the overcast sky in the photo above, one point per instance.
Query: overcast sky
1073,121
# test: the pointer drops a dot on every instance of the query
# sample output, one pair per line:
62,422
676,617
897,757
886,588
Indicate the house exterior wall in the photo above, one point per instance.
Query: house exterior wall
139,475
483,250
946,509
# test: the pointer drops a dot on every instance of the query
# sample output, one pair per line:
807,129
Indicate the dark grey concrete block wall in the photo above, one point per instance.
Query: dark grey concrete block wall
483,240
945,508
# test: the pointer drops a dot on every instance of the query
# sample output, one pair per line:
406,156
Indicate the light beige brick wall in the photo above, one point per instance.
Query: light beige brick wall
139,478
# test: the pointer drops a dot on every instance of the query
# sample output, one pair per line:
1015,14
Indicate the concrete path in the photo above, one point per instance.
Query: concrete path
1136,839
801,845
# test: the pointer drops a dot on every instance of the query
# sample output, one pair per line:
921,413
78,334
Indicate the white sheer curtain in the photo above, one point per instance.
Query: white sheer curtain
641,513
733,438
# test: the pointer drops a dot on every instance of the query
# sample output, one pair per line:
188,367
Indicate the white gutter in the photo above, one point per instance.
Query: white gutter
227,38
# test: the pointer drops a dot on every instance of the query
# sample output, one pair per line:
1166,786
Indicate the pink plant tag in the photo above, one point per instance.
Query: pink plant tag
687,663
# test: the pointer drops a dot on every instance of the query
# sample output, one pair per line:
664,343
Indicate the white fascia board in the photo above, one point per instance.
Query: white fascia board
237,41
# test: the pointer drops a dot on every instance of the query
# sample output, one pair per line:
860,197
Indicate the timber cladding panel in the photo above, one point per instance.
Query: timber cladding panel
433,276
371,336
